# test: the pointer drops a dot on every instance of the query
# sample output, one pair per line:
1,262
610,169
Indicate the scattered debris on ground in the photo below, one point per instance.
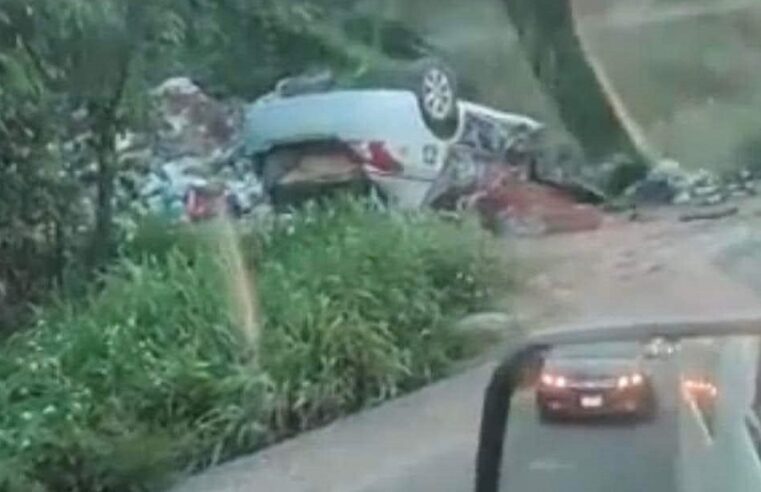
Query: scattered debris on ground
669,183
189,169
518,207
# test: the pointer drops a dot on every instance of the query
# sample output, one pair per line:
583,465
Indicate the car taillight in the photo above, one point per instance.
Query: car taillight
696,387
381,159
635,379
554,381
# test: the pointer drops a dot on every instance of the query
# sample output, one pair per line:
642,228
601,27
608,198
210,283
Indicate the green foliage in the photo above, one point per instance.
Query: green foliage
243,48
39,207
150,373
98,60
379,290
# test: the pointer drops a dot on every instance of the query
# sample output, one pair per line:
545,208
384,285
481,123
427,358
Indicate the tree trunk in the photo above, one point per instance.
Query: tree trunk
547,32
59,239
105,128
103,240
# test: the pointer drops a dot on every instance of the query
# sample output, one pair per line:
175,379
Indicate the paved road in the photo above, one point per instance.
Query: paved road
543,458
571,457
596,456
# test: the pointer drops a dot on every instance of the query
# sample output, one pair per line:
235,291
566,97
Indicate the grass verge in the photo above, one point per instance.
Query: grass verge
183,357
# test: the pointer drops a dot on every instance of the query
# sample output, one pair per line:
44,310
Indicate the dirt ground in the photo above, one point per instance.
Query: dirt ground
656,267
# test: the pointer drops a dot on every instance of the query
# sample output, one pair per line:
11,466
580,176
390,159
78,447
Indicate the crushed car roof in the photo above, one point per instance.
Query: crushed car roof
344,115
354,115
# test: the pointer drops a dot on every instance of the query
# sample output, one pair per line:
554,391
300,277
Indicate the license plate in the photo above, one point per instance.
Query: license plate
591,401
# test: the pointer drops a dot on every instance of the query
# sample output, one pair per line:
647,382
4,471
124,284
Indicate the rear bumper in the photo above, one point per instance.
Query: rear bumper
637,401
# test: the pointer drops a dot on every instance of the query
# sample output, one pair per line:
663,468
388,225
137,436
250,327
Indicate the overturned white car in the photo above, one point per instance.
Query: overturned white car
412,145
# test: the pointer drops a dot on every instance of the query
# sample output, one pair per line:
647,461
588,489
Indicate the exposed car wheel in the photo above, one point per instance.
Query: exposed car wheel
436,90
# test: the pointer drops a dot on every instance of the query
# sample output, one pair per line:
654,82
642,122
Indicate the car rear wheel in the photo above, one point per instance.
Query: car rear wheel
433,83
436,91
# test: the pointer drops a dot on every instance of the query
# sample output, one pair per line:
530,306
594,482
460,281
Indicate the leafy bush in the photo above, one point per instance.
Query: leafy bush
154,372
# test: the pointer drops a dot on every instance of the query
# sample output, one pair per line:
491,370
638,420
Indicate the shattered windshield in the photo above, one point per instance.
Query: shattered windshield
299,235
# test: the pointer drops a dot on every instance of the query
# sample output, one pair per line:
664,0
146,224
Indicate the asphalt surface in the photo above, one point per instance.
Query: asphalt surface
433,441
596,455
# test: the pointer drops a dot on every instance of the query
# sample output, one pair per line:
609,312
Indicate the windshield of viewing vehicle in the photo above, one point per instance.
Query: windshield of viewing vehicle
300,234
597,350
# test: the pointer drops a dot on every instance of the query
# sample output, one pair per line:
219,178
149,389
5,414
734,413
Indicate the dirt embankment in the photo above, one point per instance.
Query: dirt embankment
625,270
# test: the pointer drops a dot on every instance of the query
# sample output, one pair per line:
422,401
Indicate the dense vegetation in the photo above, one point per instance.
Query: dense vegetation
129,358
178,359
78,68
75,74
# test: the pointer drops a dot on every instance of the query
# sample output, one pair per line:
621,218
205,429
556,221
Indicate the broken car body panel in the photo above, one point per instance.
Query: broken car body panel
491,133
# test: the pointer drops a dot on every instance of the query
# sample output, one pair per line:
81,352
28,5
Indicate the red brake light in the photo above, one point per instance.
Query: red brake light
554,381
381,159
548,380
696,387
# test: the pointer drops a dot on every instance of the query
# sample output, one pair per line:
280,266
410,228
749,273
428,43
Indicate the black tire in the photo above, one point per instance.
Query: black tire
417,77
435,86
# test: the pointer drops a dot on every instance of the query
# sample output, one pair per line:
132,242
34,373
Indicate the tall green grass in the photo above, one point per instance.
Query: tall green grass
152,373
